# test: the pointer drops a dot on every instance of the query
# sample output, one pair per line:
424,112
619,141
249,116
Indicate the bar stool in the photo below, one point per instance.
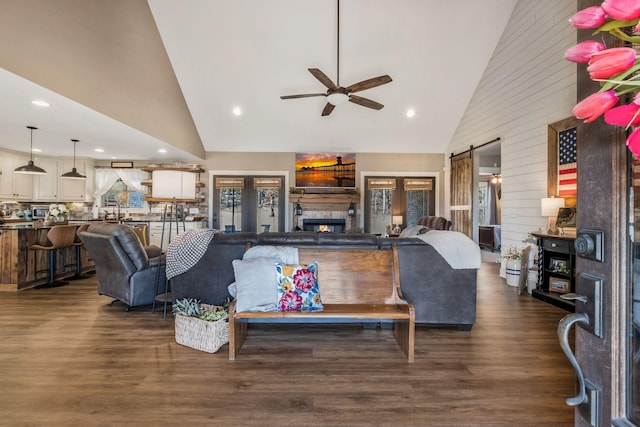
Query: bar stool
60,237
77,243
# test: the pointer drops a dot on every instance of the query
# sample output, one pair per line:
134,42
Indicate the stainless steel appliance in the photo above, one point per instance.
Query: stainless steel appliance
39,211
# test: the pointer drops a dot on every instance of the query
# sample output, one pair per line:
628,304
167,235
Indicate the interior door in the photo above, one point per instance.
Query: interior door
462,193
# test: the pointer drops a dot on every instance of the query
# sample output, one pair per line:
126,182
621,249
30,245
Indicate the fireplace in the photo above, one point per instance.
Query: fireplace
322,224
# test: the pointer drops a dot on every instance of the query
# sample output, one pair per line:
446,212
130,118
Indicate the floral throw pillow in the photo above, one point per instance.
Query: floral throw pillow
298,287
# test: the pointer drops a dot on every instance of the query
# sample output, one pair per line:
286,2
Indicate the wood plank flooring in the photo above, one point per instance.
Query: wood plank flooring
69,358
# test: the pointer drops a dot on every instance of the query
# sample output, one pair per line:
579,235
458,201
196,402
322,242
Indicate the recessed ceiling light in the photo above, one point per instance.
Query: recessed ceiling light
40,103
411,112
98,150
237,111
113,157
162,150
36,150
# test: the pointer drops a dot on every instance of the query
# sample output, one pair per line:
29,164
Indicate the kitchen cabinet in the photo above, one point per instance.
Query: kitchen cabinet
14,186
199,184
53,188
45,187
73,190
155,231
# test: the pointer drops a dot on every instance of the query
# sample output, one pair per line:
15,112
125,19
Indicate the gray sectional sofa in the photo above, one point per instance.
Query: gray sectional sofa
441,294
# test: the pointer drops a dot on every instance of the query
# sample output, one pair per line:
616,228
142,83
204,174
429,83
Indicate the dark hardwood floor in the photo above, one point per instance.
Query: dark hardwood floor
70,358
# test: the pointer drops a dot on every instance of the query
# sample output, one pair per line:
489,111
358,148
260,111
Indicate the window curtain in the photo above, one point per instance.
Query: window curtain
492,202
105,178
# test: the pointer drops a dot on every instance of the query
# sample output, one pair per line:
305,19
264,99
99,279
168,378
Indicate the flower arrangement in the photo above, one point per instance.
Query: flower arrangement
615,68
513,253
58,211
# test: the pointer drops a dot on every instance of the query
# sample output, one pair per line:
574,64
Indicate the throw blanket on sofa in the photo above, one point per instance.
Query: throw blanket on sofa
456,248
186,249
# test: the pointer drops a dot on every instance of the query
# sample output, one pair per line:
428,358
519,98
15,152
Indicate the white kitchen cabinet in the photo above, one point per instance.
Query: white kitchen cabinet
14,186
45,187
72,190
155,231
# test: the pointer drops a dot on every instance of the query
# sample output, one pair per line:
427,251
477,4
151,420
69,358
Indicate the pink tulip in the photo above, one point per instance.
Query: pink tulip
623,10
593,106
591,17
610,62
633,142
582,52
624,115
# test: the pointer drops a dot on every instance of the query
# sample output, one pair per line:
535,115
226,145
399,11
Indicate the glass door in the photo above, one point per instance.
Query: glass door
248,203
633,295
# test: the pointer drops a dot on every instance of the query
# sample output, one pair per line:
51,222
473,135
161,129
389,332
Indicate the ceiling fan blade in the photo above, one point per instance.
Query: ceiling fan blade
304,95
368,84
323,78
365,102
328,109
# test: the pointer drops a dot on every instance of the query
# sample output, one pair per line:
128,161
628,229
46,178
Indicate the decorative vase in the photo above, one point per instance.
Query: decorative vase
513,272
47,222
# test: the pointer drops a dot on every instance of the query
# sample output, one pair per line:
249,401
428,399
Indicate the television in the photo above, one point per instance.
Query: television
332,170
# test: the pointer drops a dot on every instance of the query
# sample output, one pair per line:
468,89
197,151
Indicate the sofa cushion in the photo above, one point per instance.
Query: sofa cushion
255,284
297,286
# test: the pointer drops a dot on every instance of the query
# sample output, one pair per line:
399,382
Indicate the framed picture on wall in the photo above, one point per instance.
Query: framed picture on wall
566,217
562,163
326,170
559,285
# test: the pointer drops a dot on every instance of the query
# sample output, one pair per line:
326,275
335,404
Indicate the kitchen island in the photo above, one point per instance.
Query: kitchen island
22,267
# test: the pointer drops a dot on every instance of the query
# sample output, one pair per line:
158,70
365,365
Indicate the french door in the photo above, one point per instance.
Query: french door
248,203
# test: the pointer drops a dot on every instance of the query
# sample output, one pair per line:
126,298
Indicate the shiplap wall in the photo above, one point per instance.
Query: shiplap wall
526,86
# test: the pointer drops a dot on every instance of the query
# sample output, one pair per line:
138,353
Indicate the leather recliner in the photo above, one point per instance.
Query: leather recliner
126,270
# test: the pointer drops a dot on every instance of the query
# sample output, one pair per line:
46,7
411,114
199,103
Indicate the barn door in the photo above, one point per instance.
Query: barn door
461,193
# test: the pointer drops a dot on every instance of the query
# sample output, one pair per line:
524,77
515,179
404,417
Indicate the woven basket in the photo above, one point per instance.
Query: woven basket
201,334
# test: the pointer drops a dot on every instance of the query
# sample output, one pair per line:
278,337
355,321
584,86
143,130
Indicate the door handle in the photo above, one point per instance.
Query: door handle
564,326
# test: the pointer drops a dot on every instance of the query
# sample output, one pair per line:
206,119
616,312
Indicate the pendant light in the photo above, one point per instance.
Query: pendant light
30,168
74,174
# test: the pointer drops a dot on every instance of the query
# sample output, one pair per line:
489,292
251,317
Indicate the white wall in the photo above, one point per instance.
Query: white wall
526,86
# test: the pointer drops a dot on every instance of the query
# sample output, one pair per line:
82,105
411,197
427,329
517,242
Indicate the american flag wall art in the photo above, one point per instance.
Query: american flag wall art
567,178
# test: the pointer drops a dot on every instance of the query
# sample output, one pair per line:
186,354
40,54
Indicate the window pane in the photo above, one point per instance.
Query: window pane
231,209
268,209
417,205
119,194
380,212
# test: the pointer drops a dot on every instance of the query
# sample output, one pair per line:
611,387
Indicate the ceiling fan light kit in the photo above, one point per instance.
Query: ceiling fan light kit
338,95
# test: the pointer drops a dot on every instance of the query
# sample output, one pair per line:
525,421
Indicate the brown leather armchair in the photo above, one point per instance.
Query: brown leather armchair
126,270
435,222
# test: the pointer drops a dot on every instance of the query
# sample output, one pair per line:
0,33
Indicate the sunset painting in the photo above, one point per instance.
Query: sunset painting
325,169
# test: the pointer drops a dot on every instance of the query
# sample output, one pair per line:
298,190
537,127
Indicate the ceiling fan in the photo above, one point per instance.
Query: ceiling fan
337,94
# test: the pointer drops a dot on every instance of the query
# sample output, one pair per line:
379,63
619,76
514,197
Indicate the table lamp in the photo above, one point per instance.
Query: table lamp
397,222
549,207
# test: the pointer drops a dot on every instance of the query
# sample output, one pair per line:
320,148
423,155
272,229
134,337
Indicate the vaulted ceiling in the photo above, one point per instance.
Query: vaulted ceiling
130,77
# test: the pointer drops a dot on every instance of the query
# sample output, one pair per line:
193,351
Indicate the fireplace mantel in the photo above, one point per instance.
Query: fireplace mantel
325,202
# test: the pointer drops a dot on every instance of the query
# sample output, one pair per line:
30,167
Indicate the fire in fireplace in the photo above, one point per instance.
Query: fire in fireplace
323,225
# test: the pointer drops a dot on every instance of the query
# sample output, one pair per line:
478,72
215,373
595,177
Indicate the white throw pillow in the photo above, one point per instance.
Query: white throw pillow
255,284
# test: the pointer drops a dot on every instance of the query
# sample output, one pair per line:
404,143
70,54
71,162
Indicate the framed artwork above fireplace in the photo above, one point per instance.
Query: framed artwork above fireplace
326,170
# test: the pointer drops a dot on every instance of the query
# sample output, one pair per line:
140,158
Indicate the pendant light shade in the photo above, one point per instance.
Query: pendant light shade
30,168
74,174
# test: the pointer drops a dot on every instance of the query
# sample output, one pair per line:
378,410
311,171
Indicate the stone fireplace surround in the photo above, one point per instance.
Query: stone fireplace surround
328,207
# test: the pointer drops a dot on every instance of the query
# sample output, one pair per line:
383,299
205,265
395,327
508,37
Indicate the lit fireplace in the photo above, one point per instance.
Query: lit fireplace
323,225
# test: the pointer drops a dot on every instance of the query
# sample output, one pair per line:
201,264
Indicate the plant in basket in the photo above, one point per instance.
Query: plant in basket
201,326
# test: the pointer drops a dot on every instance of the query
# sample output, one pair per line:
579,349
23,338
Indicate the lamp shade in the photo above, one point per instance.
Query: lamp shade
549,206
167,184
397,219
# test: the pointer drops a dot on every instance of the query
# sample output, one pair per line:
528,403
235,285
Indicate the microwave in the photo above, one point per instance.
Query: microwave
39,211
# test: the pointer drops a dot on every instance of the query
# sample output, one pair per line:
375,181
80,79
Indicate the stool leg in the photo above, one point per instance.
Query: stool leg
52,265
